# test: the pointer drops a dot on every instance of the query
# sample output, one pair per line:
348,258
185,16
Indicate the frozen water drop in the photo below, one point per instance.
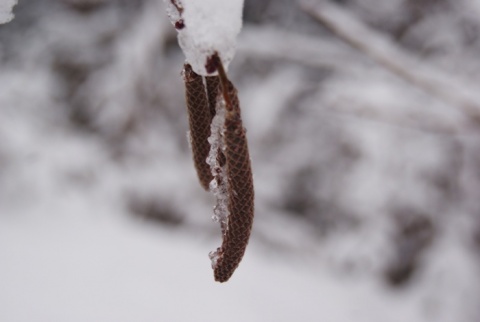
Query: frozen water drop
214,256
213,185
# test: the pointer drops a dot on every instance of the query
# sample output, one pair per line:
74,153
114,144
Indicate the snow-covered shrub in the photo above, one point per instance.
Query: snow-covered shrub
6,7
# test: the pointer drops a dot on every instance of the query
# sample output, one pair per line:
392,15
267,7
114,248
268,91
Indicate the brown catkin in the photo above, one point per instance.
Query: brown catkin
199,118
213,85
240,185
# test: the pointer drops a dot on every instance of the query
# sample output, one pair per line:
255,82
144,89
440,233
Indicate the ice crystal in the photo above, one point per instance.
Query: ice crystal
214,255
219,184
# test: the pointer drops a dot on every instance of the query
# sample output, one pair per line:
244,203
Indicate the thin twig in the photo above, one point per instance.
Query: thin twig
177,6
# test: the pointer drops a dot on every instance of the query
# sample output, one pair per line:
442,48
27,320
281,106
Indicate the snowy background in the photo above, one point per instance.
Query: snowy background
363,121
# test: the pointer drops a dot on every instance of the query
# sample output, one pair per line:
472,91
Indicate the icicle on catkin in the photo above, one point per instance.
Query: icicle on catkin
240,183
199,118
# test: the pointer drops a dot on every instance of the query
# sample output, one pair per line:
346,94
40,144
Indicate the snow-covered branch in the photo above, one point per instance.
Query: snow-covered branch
269,43
380,48
205,27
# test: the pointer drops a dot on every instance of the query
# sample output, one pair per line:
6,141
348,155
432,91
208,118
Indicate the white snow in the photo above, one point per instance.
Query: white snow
209,26
90,269
6,7
99,267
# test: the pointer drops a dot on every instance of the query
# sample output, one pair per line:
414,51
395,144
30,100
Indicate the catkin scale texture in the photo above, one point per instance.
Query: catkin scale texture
240,188
199,119
213,84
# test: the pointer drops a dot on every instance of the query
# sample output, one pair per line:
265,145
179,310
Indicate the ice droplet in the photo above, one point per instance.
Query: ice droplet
214,256
213,185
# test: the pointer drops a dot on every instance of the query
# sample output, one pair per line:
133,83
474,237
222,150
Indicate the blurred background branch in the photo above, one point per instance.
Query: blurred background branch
381,49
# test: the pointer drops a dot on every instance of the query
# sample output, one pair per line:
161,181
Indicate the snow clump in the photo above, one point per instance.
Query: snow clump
205,27
6,7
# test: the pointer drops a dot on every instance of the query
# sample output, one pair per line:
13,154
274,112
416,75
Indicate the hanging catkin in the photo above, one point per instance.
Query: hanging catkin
203,97
199,118
240,183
